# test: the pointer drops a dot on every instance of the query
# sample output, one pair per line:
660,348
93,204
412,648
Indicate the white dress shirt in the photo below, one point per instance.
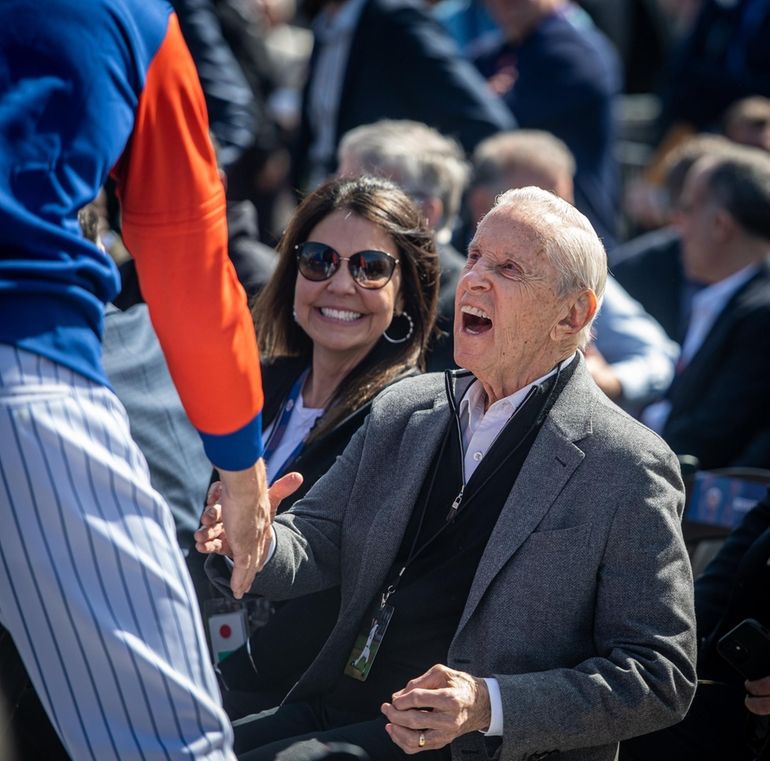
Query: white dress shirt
479,431
707,305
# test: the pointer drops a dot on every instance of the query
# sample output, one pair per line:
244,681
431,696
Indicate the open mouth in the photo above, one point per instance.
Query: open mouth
341,315
475,320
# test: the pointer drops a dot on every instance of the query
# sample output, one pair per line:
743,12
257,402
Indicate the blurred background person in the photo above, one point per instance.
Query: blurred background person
432,170
630,357
649,266
725,721
716,408
350,310
376,59
227,39
558,73
722,55
748,122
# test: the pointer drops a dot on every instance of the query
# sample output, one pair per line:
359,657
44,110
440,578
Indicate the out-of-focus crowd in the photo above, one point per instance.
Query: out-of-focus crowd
651,117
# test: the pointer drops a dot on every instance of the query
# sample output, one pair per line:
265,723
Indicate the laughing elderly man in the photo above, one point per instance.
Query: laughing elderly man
508,523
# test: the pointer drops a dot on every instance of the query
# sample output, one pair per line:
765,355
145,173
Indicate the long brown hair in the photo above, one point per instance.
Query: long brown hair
381,202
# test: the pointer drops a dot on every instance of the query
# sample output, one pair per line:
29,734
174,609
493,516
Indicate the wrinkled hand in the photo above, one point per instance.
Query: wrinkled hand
210,538
758,699
237,520
442,704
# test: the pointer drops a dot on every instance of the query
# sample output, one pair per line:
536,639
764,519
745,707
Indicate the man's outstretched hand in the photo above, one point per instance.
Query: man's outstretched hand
237,519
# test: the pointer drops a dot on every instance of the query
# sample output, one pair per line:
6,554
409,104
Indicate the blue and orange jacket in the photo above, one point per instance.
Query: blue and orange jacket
89,87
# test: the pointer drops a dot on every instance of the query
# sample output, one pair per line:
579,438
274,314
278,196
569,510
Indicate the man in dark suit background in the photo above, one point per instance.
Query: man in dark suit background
718,726
556,72
376,59
649,267
716,408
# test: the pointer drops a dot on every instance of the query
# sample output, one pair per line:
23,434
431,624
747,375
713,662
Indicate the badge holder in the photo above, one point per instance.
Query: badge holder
368,641
227,625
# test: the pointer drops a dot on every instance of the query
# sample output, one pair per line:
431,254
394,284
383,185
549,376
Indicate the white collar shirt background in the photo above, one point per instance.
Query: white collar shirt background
707,305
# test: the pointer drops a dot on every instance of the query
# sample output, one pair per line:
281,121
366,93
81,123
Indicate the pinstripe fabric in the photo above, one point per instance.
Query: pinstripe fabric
92,582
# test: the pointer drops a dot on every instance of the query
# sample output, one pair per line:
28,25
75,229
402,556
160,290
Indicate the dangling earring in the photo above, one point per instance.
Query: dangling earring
409,332
294,313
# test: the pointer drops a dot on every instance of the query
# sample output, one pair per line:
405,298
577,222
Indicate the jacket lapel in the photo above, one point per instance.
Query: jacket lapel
553,459
686,392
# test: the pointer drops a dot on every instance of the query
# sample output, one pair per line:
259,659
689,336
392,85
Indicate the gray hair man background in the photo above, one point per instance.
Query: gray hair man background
716,408
507,540
432,170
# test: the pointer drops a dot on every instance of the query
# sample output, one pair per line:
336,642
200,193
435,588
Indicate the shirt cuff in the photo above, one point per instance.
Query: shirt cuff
495,708
270,552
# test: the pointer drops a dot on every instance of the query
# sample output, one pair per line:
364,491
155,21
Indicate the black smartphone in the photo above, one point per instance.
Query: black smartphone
747,649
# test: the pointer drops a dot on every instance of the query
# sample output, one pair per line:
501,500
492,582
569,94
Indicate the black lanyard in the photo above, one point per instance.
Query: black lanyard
461,501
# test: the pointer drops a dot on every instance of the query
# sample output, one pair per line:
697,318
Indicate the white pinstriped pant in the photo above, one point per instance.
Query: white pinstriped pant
93,587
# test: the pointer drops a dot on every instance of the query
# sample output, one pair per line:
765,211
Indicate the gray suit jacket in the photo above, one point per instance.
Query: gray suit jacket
581,605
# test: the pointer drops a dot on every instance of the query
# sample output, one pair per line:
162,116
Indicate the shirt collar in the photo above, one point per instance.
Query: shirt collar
717,295
472,404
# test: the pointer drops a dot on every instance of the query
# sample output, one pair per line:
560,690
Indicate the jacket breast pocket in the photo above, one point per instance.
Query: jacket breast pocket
554,569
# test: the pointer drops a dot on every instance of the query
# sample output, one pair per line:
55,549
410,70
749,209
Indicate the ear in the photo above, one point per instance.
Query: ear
724,225
433,209
578,312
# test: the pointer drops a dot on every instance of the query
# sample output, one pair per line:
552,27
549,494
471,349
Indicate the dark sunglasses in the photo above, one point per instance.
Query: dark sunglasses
369,269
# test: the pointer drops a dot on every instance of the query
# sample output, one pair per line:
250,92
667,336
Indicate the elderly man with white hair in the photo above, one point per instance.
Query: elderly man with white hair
507,540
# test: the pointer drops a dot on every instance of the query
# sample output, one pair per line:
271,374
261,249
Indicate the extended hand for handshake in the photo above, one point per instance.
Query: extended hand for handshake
431,711
237,519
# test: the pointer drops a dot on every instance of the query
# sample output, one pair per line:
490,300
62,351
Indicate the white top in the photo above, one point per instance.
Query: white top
479,428
707,305
299,426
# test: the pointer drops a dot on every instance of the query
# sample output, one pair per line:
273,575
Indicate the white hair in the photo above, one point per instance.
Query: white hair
570,242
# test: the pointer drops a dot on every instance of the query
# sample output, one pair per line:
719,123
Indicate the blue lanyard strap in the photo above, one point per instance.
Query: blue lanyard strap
282,422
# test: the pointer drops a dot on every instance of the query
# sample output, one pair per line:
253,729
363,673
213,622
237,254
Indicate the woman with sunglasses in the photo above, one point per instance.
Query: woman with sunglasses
348,311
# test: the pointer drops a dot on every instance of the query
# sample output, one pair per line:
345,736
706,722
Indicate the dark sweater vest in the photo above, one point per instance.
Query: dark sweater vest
431,595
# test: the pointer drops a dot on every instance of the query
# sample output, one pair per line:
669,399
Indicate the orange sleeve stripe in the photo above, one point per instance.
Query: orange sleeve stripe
174,225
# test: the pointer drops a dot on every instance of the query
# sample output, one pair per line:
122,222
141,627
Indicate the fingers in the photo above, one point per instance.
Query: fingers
212,539
213,531
434,678
413,741
417,697
211,547
758,699
406,739
759,687
214,493
244,571
284,487
413,719
211,515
